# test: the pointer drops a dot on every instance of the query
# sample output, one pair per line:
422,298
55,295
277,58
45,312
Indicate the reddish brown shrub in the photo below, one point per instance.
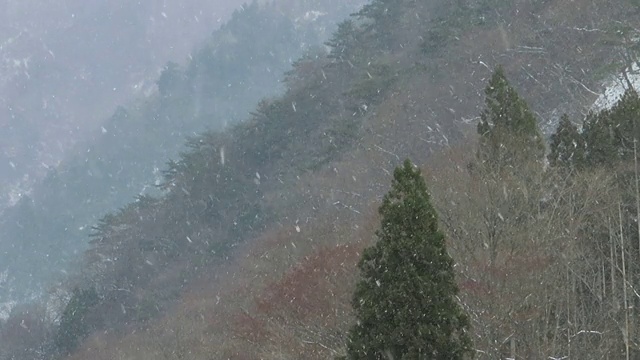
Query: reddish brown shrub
248,327
311,287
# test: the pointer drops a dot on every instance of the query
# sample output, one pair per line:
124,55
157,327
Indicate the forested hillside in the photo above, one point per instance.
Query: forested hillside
65,65
252,247
239,64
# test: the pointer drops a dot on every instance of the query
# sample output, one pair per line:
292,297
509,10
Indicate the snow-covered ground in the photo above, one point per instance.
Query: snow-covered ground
616,87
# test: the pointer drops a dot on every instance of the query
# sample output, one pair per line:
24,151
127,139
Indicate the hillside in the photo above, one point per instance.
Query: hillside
123,159
65,66
250,251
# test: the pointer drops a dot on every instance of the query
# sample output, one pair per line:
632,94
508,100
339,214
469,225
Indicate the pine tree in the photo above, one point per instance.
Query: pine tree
380,13
509,134
567,145
610,134
405,303
345,44
624,117
382,20
74,325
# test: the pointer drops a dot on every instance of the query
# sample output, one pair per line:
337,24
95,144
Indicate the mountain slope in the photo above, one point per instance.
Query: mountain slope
224,78
66,65
399,102
250,253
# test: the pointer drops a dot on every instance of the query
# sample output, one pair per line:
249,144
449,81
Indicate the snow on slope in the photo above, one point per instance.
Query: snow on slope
616,87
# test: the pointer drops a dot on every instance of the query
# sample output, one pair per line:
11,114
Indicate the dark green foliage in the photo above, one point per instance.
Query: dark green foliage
437,36
599,140
509,134
456,17
610,134
344,43
379,15
170,79
405,303
374,83
567,145
385,23
74,322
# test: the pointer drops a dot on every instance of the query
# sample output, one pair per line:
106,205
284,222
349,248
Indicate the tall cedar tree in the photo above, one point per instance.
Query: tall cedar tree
567,145
405,303
509,134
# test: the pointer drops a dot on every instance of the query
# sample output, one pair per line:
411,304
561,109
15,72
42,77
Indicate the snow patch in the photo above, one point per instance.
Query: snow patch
616,87
5,309
313,15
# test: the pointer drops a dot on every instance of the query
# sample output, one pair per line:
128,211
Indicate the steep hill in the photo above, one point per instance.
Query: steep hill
250,252
240,63
277,209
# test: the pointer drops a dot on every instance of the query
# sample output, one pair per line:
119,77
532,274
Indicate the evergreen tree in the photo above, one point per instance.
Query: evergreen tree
383,21
74,324
171,79
567,145
405,302
609,135
344,42
625,116
509,134
380,13
598,137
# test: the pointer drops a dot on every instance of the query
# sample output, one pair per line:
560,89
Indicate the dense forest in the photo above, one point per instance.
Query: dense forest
302,232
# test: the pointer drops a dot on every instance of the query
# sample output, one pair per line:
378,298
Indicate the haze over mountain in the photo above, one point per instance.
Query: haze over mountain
65,65
121,156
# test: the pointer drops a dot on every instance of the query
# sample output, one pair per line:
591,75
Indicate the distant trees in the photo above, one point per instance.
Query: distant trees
343,43
405,303
508,129
608,138
610,242
170,79
75,324
567,145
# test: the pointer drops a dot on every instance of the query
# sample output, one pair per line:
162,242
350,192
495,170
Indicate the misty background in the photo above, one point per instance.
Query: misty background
96,97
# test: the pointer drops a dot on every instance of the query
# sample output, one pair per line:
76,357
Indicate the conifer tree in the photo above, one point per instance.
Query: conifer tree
74,325
382,20
344,42
600,146
509,134
611,133
567,145
380,12
405,303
